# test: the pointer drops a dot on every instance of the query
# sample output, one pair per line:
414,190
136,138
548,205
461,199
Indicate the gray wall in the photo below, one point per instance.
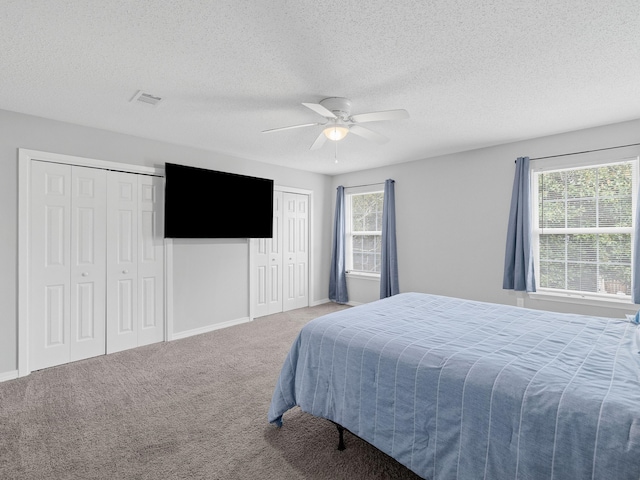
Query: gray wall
452,216
210,277
451,210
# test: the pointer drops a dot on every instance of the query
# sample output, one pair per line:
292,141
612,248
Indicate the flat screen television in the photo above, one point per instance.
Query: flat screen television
201,203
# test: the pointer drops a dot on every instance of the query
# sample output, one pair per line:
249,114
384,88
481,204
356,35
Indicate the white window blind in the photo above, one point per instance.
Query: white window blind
583,228
364,232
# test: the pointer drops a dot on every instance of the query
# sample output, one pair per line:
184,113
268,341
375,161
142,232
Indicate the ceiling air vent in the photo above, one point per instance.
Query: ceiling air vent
146,98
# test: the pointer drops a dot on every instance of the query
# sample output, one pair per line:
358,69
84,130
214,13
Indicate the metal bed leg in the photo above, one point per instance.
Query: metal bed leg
340,437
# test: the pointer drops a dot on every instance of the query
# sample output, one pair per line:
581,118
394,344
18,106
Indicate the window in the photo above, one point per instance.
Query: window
364,231
583,228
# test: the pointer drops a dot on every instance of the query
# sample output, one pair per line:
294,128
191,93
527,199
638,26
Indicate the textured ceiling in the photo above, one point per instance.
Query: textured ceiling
470,73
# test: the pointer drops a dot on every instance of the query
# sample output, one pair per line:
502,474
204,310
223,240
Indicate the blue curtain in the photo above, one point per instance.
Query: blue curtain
338,278
518,260
389,269
635,267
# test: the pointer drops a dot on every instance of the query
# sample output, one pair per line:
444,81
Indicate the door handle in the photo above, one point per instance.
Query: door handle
125,271
85,274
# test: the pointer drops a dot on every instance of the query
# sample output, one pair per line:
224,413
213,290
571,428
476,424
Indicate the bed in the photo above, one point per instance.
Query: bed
460,389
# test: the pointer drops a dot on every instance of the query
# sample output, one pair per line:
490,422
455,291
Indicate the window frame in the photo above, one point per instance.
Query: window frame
580,161
349,193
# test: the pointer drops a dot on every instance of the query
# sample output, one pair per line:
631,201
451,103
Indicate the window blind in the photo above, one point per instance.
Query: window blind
585,223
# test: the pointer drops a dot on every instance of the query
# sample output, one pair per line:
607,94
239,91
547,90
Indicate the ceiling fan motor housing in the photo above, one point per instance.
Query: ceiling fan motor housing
341,107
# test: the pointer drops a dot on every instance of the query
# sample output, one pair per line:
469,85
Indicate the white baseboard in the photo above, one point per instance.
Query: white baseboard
8,375
319,302
208,328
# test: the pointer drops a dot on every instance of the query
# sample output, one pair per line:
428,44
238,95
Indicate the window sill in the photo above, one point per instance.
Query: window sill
364,276
620,304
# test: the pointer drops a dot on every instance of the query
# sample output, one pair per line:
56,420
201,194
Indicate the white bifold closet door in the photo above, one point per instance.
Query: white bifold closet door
295,291
267,265
96,263
135,281
67,265
280,264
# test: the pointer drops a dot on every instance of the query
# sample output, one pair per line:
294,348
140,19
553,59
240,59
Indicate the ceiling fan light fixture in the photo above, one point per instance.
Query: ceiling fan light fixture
338,121
336,132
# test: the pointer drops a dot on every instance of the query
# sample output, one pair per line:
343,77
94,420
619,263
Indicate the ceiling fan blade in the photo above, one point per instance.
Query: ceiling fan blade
368,134
319,141
379,116
292,126
316,107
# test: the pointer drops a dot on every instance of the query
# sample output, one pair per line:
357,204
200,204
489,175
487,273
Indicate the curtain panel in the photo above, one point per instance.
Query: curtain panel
635,255
338,278
518,262
389,267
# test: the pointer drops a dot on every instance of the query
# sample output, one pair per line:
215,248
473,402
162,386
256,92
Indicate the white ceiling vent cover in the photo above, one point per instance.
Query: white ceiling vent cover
146,98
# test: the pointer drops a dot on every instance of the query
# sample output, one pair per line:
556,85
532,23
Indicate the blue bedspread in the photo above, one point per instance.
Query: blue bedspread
458,389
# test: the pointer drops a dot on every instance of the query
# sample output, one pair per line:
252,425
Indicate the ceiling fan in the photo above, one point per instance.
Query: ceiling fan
339,121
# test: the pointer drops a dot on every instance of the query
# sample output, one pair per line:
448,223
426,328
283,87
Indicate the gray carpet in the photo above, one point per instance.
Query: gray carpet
194,408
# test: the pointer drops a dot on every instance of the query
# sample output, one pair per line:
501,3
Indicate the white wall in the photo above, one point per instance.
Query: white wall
452,215
210,277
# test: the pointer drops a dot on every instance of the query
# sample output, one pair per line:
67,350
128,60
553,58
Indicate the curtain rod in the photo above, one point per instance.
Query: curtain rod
366,185
586,151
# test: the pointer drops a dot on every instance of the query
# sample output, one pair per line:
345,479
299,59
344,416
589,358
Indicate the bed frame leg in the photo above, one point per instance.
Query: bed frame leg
340,437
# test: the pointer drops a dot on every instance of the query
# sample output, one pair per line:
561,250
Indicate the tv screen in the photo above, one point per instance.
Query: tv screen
201,203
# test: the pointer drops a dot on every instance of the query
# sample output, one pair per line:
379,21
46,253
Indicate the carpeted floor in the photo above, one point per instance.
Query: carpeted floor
194,408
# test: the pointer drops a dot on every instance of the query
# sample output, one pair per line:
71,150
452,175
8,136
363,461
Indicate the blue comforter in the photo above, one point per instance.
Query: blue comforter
458,389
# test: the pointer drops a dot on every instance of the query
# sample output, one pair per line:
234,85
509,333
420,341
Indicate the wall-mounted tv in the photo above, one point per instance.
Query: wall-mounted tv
201,203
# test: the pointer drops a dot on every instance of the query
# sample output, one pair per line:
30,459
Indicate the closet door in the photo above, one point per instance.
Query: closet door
267,266
49,272
122,261
296,251
88,262
260,267
274,272
150,259
135,259
67,264
301,294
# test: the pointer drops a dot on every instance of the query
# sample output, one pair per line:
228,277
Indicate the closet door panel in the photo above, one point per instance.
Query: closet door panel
126,303
148,298
88,262
296,251
150,259
122,252
289,251
275,263
49,277
301,296
266,292
54,319
260,265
